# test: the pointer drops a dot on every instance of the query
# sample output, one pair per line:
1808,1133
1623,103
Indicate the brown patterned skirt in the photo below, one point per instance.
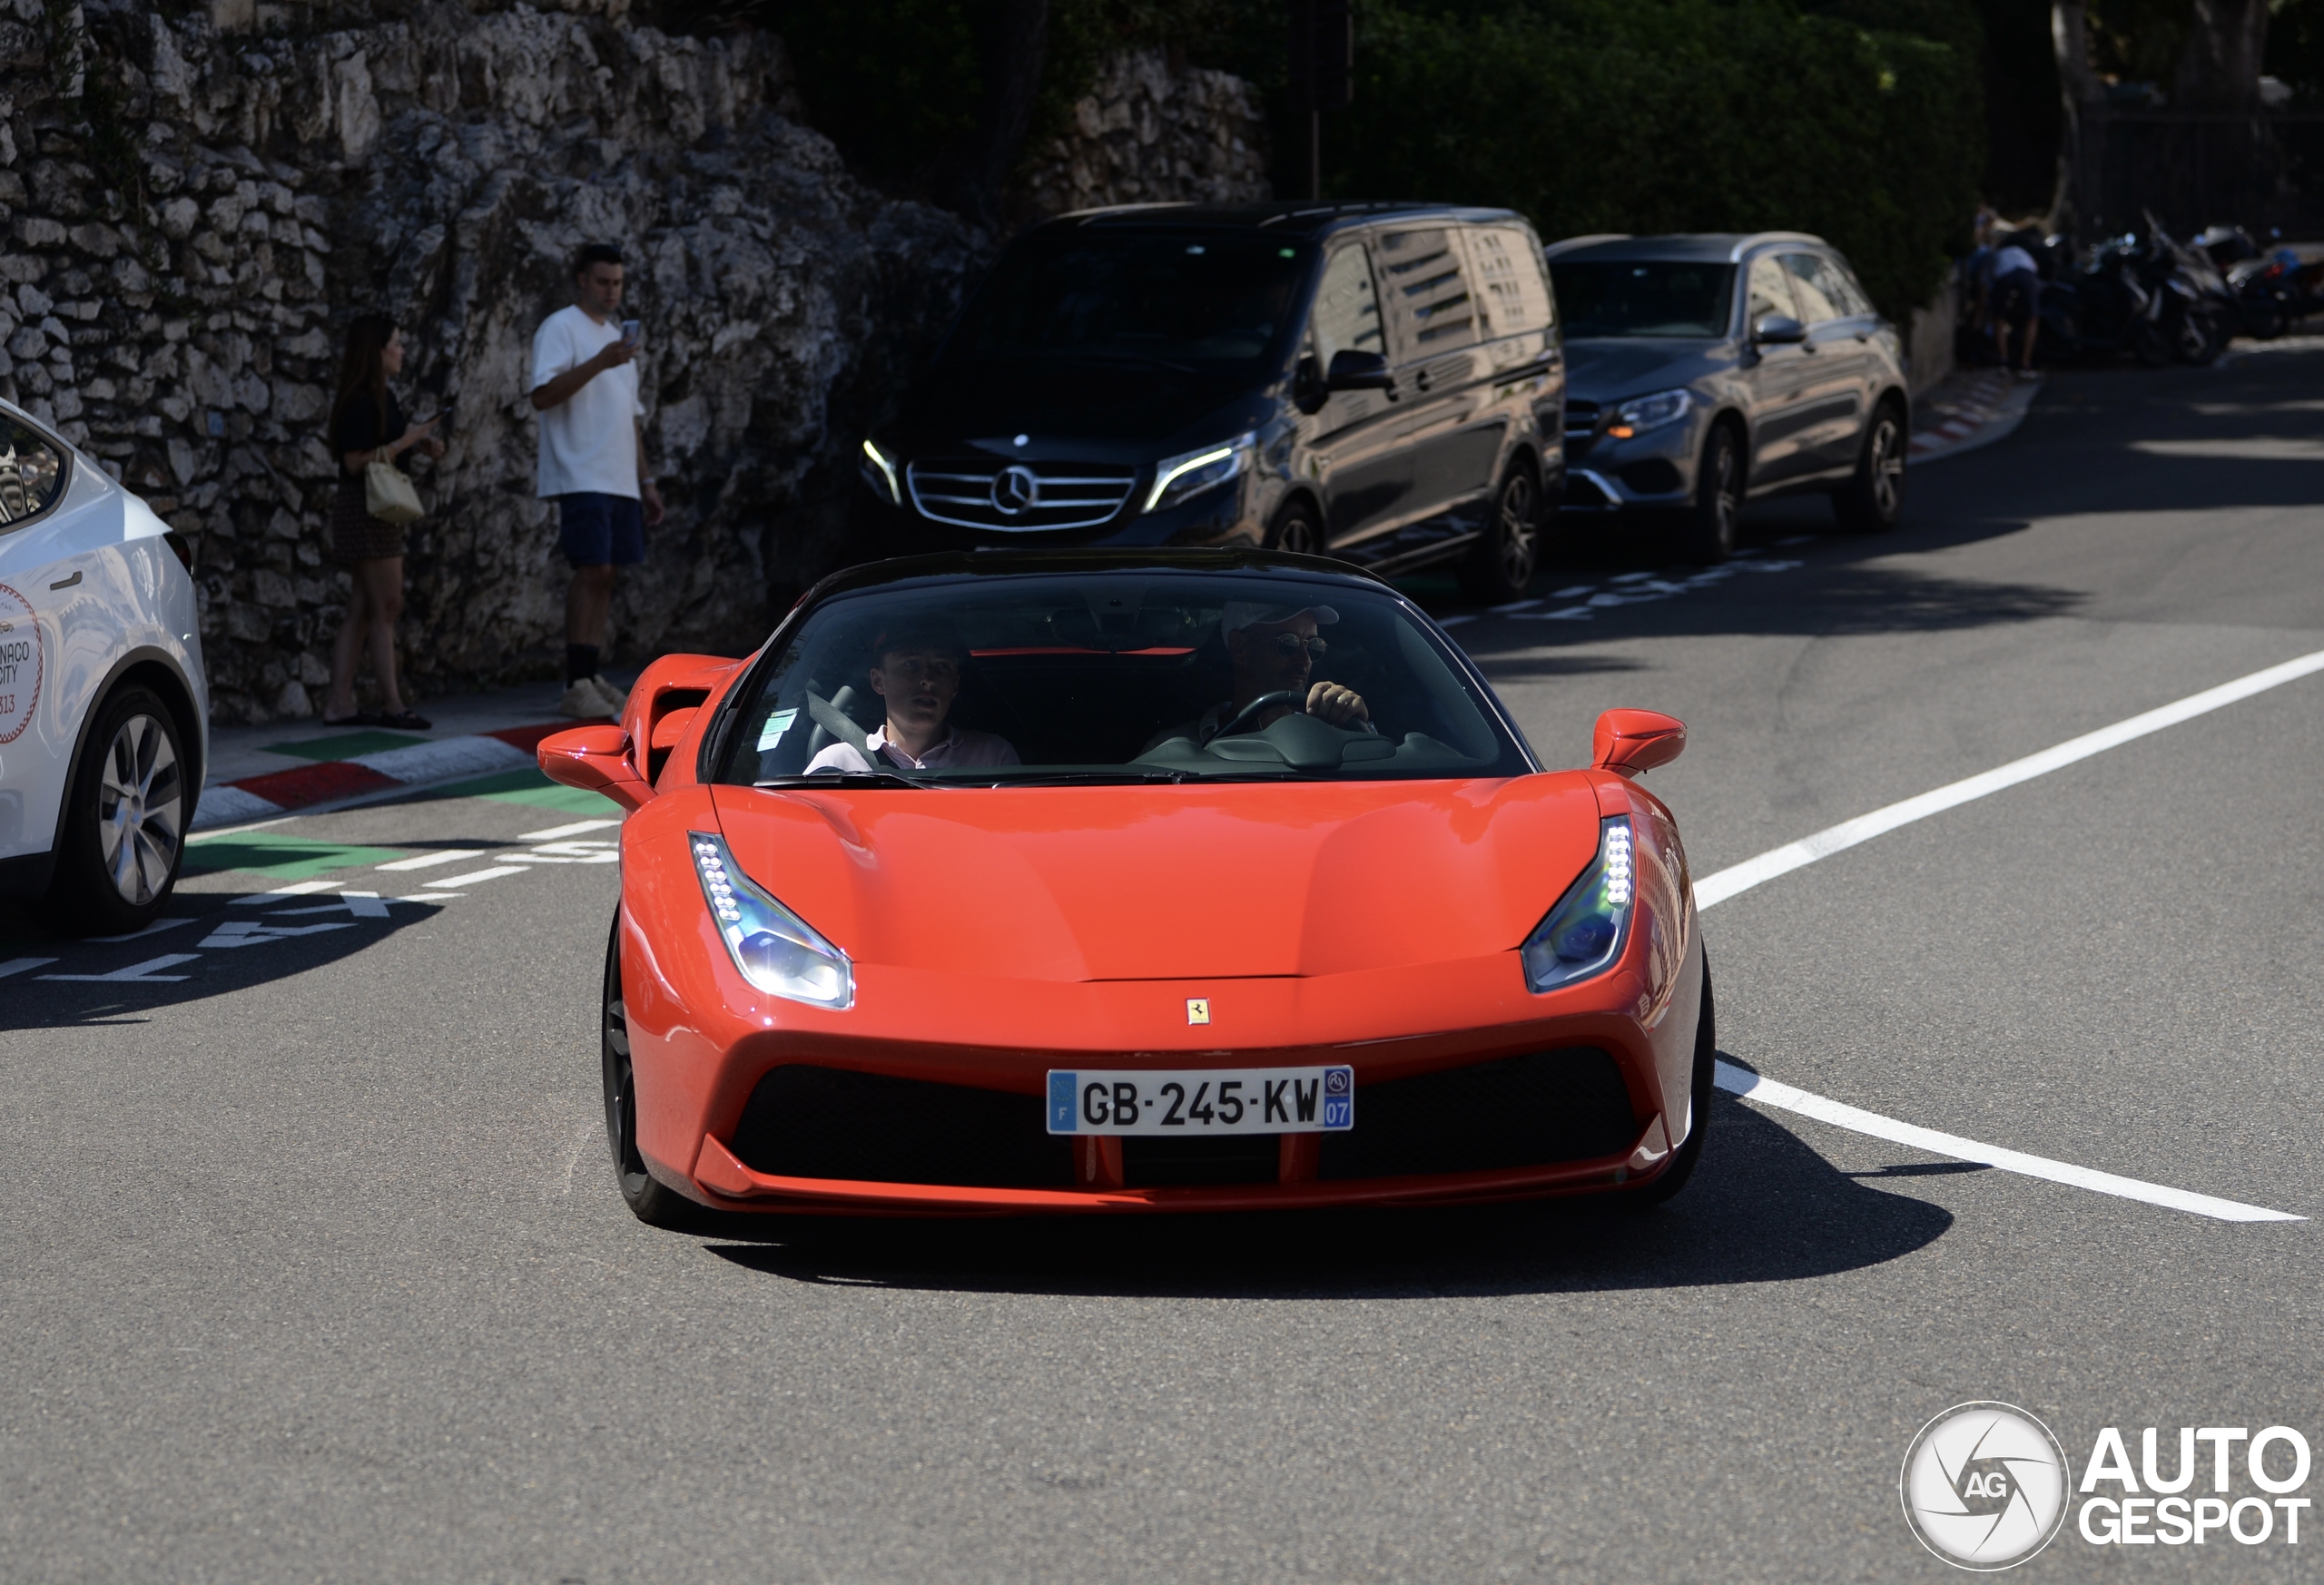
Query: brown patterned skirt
355,535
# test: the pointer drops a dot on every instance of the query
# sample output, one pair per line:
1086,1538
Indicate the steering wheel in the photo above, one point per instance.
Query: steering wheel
1258,707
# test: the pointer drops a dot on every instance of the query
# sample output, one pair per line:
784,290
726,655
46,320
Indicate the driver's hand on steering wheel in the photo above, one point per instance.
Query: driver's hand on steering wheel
1337,706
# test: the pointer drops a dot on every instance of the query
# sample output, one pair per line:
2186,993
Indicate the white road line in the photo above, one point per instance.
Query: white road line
492,874
428,897
156,928
137,972
1455,621
1768,1092
206,836
243,932
303,888
22,965
1739,878
429,861
576,829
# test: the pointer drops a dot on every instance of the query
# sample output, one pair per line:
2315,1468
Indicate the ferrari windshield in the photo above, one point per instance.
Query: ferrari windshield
1642,297
1185,298
1138,674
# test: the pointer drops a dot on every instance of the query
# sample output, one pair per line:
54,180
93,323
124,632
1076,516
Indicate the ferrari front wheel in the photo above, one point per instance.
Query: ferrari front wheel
1682,1165
653,1203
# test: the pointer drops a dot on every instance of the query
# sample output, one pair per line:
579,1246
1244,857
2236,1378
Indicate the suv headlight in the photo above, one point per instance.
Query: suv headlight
773,948
1583,934
1182,478
880,473
1639,414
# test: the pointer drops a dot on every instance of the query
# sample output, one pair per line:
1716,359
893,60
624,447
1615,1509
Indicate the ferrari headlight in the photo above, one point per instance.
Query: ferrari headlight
1583,934
1181,478
880,473
1639,414
774,949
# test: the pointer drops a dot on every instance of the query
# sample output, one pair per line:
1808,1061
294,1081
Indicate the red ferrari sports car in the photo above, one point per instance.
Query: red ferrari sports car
1132,882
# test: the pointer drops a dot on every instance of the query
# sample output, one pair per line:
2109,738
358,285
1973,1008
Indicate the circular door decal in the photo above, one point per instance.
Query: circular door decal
20,664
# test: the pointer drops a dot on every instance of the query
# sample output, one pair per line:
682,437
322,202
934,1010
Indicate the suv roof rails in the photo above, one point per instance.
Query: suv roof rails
1758,239
1567,244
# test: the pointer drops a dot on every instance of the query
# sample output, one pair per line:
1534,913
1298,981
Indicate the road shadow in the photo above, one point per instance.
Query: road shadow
206,944
1763,1207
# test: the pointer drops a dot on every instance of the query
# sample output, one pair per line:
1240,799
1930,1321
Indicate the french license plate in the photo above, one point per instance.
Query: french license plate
1202,1100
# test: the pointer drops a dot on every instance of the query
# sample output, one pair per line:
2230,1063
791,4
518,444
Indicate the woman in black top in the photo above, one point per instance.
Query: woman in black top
366,426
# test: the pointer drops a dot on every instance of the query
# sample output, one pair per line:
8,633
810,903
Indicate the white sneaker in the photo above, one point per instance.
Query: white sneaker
584,703
617,697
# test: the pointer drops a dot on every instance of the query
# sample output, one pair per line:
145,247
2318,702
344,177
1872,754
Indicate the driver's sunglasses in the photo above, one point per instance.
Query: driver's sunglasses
1291,643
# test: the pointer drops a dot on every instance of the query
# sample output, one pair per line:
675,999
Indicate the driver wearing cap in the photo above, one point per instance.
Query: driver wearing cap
1274,648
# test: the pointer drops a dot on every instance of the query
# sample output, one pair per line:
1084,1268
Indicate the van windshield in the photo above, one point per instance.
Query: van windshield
1642,297
1179,298
1115,677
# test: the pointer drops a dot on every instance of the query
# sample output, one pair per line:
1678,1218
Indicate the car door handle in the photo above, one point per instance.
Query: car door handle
64,583
1421,380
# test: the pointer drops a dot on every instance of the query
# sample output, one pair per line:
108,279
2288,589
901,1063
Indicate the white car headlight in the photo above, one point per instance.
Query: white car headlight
1639,414
880,473
1583,934
773,948
1182,478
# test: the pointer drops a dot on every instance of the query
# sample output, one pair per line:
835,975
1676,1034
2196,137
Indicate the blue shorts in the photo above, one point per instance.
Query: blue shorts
2017,297
595,531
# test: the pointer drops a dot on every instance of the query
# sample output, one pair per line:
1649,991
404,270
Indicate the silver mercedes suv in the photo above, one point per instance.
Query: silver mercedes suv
1703,371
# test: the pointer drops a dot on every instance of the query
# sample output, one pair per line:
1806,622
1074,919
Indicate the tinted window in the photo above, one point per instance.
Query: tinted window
1426,284
1859,305
1770,293
1508,271
1347,310
1820,296
1202,298
1645,297
31,470
1117,676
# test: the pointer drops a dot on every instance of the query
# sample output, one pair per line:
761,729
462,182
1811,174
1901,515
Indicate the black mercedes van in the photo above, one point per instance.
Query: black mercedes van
1383,383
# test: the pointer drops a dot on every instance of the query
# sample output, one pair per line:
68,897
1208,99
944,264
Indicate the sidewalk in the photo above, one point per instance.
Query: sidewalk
258,772
1972,408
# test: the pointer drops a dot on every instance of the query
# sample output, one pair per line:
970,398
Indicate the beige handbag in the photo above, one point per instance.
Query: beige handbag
388,494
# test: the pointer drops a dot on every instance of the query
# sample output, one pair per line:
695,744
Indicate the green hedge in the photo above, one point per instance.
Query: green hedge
1654,116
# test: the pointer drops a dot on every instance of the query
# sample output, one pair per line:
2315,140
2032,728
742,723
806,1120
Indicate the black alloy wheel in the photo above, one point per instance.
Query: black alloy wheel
123,833
1874,498
1500,567
1296,531
1707,529
655,1204
1682,1165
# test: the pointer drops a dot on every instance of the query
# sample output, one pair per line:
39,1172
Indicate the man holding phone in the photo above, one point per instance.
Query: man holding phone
593,462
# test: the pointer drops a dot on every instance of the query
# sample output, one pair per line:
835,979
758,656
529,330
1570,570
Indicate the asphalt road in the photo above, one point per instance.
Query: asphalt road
313,1268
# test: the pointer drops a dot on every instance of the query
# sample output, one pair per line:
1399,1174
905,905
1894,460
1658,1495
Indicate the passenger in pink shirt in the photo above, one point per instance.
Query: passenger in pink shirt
919,675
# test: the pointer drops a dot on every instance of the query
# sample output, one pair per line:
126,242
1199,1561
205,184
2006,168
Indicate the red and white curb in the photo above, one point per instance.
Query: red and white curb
418,765
1979,409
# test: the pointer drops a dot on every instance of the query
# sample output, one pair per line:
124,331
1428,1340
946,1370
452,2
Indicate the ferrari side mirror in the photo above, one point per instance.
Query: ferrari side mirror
596,759
1629,743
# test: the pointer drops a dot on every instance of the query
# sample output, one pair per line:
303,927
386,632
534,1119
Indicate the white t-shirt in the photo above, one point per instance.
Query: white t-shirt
589,440
956,747
2010,259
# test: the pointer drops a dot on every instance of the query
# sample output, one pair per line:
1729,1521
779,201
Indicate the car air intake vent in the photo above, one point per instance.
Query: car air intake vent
1230,1158
1019,498
1580,420
1521,1111
803,1121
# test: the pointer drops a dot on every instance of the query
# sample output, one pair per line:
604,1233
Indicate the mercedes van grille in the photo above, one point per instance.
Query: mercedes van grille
1019,498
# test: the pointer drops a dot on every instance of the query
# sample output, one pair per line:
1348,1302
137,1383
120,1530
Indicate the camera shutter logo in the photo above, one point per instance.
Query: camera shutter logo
1016,489
1985,1486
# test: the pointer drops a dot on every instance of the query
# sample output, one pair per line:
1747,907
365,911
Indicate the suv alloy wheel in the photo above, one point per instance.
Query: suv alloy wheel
1501,564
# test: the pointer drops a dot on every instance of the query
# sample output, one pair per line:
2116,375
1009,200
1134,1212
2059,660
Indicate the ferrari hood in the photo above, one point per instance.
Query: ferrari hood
1176,883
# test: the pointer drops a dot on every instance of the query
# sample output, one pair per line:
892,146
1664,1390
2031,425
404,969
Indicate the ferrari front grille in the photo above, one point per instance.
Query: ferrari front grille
1533,1110
805,1121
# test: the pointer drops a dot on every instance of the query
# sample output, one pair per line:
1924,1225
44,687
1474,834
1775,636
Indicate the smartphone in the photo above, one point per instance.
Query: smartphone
629,329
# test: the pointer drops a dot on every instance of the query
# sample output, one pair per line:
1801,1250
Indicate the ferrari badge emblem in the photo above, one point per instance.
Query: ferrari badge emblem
1197,1010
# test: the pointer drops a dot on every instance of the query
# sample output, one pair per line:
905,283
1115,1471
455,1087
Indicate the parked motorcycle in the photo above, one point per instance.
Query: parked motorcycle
2255,285
2145,295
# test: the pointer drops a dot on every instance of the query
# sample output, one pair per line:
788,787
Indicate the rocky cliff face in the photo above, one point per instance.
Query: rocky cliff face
191,217
1148,133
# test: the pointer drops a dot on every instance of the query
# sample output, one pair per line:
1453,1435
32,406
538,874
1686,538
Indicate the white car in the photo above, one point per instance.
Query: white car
104,708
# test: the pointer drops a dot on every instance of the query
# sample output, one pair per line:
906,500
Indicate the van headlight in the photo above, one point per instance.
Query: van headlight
1184,477
773,948
880,473
1583,934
